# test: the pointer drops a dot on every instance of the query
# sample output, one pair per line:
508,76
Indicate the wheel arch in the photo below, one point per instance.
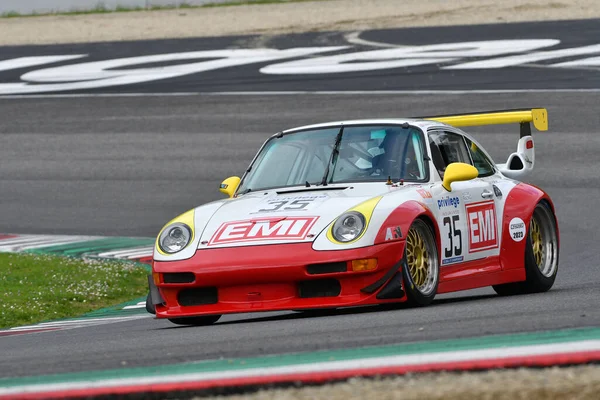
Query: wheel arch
520,203
402,217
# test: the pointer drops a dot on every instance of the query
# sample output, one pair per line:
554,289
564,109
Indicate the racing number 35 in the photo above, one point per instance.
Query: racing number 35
452,250
295,205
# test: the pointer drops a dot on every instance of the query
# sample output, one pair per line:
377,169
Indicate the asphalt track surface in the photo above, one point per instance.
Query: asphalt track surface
124,166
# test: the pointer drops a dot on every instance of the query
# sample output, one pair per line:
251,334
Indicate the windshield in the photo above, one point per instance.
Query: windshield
364,154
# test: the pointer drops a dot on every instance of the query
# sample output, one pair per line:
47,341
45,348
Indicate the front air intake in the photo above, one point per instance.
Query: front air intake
319,288
326,268
178,277
197,296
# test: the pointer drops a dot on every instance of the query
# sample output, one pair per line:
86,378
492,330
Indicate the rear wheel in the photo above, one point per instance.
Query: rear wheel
196,321
421,271
541,255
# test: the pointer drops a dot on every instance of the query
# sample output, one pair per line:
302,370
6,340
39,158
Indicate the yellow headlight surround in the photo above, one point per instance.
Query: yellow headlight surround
366,208
185,218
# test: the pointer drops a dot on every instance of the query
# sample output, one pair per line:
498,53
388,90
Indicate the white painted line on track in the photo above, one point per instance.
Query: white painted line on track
49,243
321,367
141,255
20,240
128,253
91,95
79,322
35,242
354,38
304,92
394,92
141,304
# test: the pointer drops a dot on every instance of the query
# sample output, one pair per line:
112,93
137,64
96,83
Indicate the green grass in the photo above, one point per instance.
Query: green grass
35,288
101,9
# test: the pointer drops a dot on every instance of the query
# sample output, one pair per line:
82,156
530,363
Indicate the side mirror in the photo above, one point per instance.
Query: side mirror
456,172
229,185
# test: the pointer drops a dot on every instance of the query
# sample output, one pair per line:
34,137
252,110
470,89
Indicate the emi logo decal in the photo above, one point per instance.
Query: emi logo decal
287,228
481,218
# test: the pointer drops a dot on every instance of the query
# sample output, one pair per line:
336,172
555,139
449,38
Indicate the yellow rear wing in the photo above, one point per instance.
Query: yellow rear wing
537,116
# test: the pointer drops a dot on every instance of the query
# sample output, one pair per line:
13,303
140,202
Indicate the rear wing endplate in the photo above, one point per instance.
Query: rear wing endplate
537,116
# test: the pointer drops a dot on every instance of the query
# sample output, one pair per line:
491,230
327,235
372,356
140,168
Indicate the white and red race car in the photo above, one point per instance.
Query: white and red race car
362,212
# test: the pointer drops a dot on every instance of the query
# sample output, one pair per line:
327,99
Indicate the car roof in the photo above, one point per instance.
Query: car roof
424,124
421,123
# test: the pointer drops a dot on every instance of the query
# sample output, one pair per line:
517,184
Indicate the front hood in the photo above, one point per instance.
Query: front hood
284,216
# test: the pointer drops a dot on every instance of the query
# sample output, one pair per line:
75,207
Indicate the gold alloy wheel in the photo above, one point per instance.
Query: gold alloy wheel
417,258
544,240
536,241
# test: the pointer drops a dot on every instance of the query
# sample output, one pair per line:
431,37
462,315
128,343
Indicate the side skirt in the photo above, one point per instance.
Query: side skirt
482,280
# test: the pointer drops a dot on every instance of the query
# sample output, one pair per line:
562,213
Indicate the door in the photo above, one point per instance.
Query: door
467,216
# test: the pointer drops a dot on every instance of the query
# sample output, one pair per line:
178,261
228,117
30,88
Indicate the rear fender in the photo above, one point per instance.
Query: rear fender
396,225
518,209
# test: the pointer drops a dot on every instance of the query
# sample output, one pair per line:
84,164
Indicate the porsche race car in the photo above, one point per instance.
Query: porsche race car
359,213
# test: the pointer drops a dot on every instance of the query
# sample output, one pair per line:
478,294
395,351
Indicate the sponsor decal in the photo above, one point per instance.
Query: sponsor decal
449,213
392,233
426,194
517,229
497,191
481,218
290,204
286,228
452,260
448,202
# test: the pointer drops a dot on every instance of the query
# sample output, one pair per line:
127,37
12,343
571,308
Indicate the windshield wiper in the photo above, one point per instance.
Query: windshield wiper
332,157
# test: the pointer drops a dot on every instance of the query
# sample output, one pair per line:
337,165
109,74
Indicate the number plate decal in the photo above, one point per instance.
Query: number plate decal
452,240
290,204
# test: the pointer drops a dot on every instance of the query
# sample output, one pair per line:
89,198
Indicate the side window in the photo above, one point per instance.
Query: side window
447,148
483,164
414,163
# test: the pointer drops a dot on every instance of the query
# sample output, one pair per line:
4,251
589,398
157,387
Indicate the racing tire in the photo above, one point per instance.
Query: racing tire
421,269
149,306
541,255
196,321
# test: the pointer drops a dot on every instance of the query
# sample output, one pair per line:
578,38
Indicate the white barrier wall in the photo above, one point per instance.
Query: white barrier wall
47,6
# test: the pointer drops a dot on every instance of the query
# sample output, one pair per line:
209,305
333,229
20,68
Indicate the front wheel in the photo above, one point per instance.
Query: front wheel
149,306
541,255
421,271
196,321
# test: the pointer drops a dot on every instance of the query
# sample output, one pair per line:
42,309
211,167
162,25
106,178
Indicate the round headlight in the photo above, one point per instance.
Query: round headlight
174,238
348,227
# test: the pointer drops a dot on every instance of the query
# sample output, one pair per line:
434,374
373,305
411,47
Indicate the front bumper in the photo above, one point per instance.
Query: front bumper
274,277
